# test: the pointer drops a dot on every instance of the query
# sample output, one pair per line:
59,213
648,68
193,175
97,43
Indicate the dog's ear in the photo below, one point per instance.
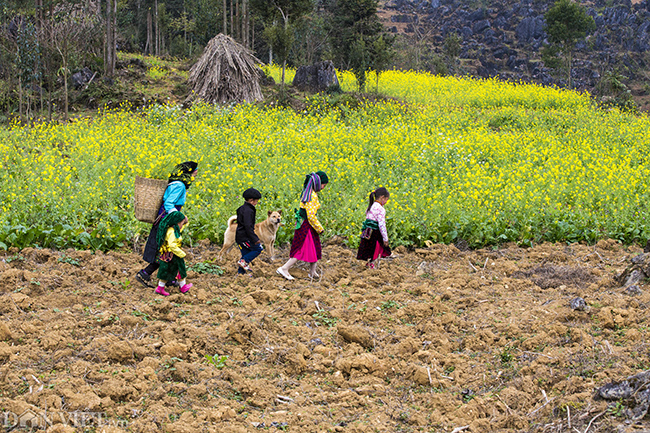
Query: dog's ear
280,211
270,212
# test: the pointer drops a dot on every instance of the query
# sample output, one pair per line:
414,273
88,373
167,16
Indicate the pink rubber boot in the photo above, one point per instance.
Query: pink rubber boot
161,291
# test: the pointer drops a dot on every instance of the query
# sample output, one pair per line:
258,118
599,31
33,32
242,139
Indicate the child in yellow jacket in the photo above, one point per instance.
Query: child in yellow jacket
170,254
306,245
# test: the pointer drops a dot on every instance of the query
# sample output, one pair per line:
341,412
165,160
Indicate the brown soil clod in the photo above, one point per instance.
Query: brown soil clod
440,338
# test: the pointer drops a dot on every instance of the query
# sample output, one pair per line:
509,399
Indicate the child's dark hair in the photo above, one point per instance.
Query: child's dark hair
379,192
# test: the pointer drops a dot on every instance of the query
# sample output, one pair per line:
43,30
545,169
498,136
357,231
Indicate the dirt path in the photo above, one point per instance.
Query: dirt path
437,339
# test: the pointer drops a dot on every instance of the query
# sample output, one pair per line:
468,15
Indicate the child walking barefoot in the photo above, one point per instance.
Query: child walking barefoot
374,236
171,256
306,245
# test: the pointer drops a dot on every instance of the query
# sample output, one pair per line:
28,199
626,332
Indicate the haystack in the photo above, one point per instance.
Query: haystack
226,72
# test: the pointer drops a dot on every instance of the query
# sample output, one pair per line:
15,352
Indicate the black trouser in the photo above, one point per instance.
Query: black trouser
151,251
151,268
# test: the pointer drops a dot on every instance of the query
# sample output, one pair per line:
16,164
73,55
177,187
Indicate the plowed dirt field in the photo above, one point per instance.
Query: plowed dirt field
435,340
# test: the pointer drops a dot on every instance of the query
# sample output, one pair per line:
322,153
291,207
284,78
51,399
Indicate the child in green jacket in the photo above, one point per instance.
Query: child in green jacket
170,254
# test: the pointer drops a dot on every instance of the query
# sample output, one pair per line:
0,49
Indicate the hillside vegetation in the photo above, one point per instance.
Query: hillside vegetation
480,162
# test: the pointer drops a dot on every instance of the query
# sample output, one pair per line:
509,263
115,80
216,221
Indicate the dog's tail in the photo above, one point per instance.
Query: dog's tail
232,221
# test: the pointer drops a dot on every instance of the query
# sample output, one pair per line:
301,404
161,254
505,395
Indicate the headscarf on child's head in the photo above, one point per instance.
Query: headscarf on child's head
171,220
313,182
379,192
183,172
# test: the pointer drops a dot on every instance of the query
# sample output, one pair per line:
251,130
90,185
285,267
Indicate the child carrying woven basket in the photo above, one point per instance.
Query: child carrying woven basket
179,181
170,255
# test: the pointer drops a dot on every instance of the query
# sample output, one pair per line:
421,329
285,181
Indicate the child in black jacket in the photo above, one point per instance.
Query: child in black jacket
248,242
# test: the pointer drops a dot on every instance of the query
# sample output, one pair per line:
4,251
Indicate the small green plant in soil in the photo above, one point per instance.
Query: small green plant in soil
69,260
206,267
325,318
218,361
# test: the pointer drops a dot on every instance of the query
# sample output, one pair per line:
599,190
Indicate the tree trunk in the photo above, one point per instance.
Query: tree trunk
237,29
114,28
149,45
64,57
225,17
28,105
107,37
569,63
232,20
39,15
65,89
245,23
40,91
50,85
109,56
284,61
156,29
20,98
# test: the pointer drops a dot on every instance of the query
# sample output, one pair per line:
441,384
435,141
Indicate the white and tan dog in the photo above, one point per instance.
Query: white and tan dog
265,230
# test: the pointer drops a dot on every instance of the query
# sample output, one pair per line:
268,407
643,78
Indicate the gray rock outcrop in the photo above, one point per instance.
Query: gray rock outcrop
316,78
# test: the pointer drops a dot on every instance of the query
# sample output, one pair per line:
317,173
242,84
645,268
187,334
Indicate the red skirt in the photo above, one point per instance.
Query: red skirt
306,245
373,248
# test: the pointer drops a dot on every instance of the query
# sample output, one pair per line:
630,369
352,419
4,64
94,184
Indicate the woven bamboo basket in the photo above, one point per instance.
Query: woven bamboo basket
148,196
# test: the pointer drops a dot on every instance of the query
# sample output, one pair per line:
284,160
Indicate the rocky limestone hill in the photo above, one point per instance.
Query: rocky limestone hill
502,38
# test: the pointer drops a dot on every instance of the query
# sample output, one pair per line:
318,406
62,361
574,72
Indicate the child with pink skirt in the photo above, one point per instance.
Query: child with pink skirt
374,236
306,245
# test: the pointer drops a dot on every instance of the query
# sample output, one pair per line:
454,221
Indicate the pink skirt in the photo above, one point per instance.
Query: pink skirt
306,245
379,251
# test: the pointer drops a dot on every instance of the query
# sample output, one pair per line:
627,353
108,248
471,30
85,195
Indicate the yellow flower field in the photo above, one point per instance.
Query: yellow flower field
477,160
